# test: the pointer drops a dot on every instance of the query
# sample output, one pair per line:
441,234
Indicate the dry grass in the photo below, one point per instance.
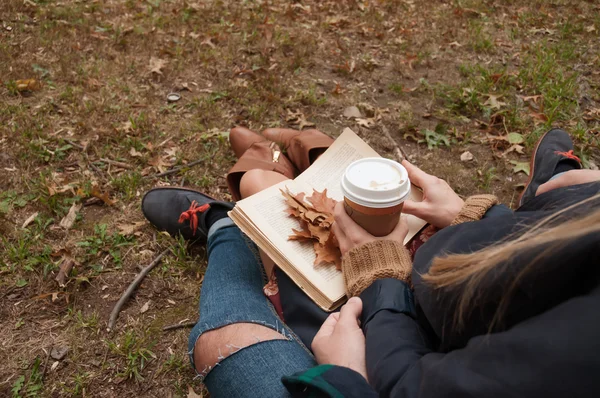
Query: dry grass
425,69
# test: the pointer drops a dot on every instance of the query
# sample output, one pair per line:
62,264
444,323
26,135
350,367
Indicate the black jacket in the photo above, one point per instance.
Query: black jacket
546,344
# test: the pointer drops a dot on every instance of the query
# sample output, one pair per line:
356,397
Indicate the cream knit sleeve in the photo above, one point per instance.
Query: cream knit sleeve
382,259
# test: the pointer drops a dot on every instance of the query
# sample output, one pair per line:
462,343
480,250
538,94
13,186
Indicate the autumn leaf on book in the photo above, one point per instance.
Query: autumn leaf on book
315,214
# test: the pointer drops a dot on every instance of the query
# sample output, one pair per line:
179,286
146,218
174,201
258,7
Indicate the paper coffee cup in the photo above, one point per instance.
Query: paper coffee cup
374,193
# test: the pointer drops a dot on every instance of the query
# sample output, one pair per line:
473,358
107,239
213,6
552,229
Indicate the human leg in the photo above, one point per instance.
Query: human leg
240,347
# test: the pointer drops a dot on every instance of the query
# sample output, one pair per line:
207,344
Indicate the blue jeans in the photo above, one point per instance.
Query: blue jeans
232,293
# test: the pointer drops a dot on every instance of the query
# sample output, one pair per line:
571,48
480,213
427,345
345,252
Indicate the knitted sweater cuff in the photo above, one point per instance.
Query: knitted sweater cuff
379,259
475,208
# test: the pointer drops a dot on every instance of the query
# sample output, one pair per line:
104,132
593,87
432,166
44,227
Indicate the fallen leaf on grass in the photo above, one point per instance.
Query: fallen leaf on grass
29,220
493,102
299,119
366,123
192,393
515,138
104,197
538,118
135,153
145,307
514,148
68,220
129,229
521,166
159,163
156,65
28,85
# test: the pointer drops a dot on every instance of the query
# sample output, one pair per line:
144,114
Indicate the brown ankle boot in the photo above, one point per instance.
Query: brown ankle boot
255,152
302,147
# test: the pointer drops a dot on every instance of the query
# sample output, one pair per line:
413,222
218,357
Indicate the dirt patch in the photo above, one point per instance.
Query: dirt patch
84,111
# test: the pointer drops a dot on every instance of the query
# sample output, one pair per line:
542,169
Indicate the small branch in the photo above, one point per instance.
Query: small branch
46,363
118,164
398,152
73,143
179,326
176,169
127,294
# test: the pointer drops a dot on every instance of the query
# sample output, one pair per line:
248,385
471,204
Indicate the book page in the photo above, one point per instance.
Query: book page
327,171
267,210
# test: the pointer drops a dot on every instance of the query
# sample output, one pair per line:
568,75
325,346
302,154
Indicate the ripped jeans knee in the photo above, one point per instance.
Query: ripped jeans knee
214,345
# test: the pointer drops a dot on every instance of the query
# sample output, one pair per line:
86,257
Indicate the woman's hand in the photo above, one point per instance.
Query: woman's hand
350,235
340,341
440,204
572,177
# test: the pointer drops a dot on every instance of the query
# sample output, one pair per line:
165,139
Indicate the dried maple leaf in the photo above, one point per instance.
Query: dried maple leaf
321,202
102,196
301,235
159,164
315,215
156,65
319,233
328,253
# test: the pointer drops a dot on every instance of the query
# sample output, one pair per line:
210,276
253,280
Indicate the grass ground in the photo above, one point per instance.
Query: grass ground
94,127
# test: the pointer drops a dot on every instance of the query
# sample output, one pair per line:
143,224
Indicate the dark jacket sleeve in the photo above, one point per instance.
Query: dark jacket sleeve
554,354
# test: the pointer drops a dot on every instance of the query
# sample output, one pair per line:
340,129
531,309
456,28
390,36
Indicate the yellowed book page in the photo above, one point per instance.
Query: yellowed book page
267,210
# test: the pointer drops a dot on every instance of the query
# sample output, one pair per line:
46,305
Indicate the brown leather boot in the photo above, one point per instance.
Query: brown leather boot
255,152
302,147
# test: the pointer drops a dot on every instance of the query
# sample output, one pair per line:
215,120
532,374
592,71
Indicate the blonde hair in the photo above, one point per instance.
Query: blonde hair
471,269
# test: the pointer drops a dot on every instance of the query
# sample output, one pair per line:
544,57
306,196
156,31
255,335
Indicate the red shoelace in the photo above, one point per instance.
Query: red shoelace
568,155
192,215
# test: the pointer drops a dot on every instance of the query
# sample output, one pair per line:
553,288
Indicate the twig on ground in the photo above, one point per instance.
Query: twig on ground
127,294
398,152
179,326
76,145
118,164
46,363
176,169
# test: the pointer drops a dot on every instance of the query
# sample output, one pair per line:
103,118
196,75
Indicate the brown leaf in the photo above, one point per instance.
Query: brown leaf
102,196
321,202
28,85
129,229
295,202
538,118
328,253
299,119
159,164
192,393
301,235
156,65
319,233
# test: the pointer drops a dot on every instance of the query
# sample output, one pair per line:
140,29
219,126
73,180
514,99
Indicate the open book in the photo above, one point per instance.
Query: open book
264,219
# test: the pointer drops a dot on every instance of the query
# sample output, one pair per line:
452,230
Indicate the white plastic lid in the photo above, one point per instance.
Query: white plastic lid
376,183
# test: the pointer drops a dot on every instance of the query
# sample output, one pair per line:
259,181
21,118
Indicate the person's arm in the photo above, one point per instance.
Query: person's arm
552,355
378,271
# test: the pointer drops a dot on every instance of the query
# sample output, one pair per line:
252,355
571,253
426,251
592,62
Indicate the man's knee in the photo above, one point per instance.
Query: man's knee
215,345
